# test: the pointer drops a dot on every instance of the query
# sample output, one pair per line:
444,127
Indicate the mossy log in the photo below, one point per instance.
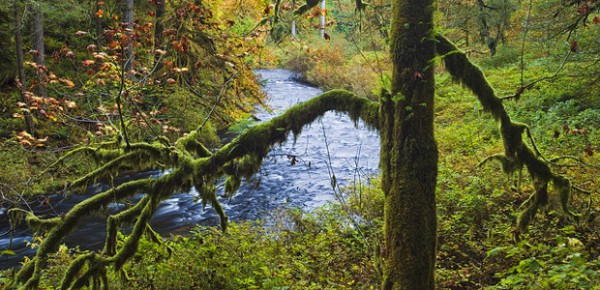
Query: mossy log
191,164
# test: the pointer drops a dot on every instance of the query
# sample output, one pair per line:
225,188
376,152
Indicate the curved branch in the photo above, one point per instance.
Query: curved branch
516,150
193,164
260,138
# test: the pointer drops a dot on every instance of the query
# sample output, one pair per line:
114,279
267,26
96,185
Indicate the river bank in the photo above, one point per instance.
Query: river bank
296,174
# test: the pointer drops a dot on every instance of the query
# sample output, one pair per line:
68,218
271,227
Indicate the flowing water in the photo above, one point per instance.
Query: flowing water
332,145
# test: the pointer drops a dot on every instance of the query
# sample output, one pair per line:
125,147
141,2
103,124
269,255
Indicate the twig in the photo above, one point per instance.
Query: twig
520,90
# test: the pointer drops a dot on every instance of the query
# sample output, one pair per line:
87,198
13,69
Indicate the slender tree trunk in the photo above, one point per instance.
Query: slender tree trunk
38,45
128,18
323,12
29,125
160,13
294,28
159,27
486,36
408,150
99,24
293,20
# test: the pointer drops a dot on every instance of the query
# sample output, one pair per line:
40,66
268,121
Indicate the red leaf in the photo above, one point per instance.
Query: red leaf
269,8
519,91
574,46
588,150
584,10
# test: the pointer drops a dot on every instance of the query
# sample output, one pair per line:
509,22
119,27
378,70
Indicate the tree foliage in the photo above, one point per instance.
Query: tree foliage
403,115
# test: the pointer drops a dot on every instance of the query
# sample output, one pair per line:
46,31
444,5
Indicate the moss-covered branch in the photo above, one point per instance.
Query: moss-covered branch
191,164
517,154
259,139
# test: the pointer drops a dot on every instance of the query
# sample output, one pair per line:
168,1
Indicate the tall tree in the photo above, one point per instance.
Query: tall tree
404,117
39,48
7,59
20,69
128,50
100,22
408,150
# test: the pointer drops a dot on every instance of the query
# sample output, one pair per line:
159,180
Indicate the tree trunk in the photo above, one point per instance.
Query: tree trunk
485,34
128,18
323,11
40,50
159,27
29,125
99,24
160,13
408,150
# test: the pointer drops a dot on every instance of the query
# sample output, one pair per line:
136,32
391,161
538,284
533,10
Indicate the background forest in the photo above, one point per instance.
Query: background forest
92,72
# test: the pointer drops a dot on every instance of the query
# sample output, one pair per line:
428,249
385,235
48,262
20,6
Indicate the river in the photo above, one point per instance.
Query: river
331,145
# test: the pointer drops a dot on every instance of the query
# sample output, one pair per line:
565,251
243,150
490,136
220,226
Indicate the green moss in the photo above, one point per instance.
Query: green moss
192,164
517,153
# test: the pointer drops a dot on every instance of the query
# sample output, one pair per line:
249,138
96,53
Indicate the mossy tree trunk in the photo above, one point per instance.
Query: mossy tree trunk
408,150
29,125
404,117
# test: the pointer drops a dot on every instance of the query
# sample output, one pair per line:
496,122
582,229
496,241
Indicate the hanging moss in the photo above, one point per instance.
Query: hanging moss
16,215
191,163
517,153
232,183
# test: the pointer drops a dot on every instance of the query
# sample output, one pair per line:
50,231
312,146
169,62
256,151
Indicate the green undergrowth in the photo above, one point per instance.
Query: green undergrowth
336,63
294,250
339,246
478,204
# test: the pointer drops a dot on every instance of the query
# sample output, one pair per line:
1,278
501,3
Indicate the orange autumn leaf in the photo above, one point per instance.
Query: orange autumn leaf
67,82
88,62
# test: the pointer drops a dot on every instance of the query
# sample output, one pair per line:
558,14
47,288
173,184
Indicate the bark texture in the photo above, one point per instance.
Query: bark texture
38,45
128,18
408,150
20,69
